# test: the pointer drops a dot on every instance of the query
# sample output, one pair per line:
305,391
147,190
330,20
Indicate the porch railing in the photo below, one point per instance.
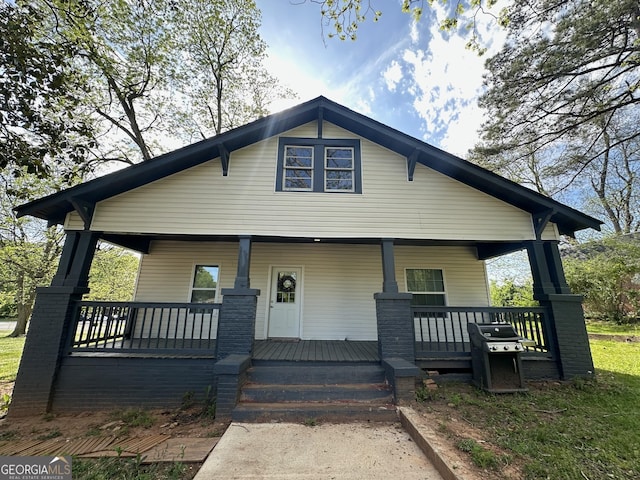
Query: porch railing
144,327
443,330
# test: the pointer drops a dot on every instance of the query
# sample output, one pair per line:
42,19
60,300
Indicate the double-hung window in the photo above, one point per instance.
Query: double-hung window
338,169
204,285
298,168
319,165
427,286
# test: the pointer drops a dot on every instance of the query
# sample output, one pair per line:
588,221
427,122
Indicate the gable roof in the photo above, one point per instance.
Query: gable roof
55,207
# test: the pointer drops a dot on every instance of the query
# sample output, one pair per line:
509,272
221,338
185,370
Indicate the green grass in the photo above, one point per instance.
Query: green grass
611,328
129,469
577,430
10,353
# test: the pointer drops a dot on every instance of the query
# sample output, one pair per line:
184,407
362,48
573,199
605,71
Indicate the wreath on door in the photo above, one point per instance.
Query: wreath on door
287,284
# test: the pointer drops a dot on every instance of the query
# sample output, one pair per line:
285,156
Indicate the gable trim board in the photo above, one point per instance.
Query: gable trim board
55,208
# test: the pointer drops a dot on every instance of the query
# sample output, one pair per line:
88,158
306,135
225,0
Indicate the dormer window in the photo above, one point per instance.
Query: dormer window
319,165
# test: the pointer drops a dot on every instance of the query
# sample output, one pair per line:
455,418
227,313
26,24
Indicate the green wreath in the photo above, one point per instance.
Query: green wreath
287,284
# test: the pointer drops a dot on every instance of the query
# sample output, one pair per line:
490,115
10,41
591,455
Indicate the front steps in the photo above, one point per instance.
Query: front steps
309,393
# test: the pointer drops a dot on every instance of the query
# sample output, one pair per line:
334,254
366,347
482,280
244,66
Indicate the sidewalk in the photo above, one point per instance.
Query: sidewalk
278,451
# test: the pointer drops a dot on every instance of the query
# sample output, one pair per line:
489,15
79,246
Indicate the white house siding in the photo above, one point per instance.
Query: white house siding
338,280
201,201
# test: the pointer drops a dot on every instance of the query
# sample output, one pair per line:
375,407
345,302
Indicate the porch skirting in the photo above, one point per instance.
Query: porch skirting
106,382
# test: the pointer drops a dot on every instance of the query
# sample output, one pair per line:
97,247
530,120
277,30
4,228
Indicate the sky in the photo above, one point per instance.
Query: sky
409,76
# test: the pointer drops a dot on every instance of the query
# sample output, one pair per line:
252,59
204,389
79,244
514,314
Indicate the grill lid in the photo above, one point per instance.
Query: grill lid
496,331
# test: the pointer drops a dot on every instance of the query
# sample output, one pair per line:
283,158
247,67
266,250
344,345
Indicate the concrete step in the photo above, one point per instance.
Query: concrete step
378,393
311,412
296,373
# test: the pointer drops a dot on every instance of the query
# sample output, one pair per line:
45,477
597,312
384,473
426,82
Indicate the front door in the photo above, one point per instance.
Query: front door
284,308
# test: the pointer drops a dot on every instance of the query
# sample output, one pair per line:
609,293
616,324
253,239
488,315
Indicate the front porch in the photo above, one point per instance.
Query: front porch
190,330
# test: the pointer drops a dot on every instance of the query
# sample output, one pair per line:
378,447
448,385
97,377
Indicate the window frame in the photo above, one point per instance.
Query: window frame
192,281
320,146
339,169
443,293
286,168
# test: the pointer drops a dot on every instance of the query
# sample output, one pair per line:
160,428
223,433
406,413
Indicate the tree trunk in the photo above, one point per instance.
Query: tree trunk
24,312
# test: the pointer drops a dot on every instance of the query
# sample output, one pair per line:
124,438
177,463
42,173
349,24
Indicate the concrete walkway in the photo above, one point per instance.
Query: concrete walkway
278,451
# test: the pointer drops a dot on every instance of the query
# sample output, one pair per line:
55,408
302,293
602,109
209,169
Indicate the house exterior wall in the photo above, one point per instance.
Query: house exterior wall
201,201
338,280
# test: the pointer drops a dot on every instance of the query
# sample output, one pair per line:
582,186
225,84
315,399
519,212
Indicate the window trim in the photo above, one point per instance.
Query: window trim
444,285
319,162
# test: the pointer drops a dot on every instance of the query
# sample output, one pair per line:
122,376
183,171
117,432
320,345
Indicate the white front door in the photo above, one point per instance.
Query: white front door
284,307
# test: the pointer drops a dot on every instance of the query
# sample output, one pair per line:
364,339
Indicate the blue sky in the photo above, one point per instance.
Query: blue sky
409,76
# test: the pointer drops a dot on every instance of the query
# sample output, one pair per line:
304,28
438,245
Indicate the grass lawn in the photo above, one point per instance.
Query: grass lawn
10,353
578,430
610,328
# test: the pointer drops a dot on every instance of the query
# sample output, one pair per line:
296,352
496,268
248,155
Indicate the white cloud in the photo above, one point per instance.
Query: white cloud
392,75
446,84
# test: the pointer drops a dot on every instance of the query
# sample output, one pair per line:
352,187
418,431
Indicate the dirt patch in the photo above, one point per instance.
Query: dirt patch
118,423
615,338
454,432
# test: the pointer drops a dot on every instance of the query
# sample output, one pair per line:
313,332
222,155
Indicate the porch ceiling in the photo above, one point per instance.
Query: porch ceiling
142,243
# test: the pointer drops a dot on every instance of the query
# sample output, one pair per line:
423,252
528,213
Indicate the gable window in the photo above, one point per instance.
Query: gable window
319,165
298,168
204,285
338,169
427,286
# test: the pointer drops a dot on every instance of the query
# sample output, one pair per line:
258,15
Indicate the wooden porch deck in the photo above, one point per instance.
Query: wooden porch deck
315,351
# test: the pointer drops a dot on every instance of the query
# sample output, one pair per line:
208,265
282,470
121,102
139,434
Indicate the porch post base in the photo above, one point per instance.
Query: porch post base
236,325
396,332
231,374
402,376
45,344
572,341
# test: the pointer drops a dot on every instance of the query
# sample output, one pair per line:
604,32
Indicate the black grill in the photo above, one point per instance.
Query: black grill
495,357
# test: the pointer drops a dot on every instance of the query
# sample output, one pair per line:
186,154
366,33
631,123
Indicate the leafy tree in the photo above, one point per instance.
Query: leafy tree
28,251
126,50
343,17
223,71
607,273
511,294
113,274
40,95
560,97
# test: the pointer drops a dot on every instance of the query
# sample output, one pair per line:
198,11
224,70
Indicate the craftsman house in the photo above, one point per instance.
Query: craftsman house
315,236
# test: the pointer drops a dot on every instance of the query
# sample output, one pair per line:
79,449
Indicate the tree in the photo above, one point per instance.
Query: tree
344,16
511,294
40,95
126,50
113,274
559,98
607,273
223,71
28,251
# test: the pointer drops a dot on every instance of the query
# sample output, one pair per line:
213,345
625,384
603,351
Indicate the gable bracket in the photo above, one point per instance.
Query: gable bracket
320,121
411,164
540,221
85,210
224,159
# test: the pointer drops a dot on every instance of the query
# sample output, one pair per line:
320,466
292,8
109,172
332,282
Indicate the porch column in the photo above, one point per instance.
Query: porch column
396,335
50,325
236,325
568,331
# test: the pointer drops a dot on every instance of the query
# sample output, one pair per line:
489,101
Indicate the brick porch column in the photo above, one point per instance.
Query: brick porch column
568,332
396,334
49,328
236,325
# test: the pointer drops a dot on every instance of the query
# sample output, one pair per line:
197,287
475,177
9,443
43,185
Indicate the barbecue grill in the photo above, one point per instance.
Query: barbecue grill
495,357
